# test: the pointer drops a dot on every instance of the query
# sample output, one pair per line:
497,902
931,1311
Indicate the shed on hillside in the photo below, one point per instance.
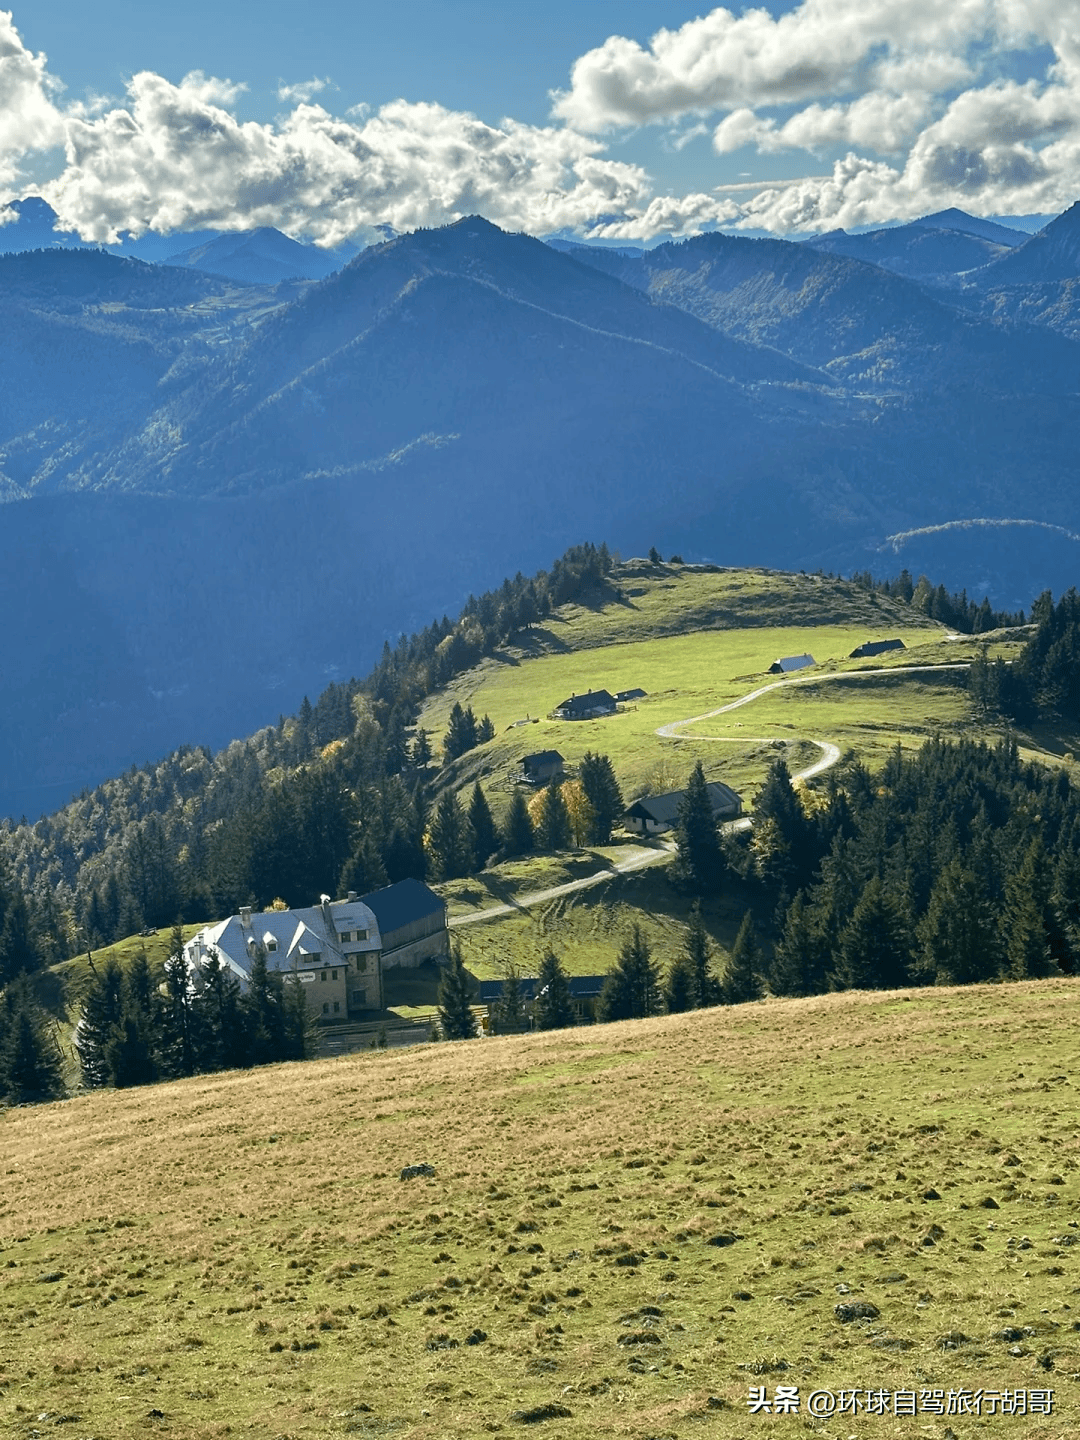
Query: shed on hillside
586,707
538,769
584,992
625,695
789,663
876,647
656,813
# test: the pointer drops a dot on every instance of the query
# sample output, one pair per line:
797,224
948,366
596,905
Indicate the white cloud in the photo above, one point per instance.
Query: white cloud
908,92
174,158
29,119
306,90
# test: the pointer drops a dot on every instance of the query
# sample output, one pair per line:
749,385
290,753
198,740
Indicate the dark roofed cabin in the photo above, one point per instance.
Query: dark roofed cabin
538,769
586,707
876,647
412,922
657,813
584,992
625,695
789,663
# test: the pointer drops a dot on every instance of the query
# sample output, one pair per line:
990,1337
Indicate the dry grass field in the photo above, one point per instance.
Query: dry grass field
629,1226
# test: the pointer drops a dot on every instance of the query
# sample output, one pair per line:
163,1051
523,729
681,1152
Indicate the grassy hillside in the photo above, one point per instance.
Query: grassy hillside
695,640
628,1225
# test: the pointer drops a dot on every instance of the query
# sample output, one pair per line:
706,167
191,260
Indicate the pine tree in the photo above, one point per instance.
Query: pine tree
263,1011
602,791
456,1019
789,858
959,934
875,948
632,987
742,979
178,1041
510,1016
30,1062
485,730
679,988
449,841
222,1042
484,832
1030,916
300,1031
103,1010
420,754
705,990
698,867
519,838
553,822
460,732
803,951
553,1009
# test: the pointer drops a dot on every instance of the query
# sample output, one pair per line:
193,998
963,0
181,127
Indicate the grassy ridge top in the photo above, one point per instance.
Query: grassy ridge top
238,1251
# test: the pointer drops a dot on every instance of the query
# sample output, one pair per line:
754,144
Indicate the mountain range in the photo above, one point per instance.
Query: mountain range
224,493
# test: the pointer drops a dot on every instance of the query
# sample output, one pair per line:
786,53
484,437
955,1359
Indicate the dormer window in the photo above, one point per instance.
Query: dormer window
271,945
346,936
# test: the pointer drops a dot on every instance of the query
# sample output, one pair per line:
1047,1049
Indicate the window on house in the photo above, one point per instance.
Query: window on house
361,963
326,1009
361,934
337,1007
346,935
271,946
322,977
334,975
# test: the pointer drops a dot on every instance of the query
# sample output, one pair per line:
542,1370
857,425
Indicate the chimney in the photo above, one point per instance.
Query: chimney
245,916
351,896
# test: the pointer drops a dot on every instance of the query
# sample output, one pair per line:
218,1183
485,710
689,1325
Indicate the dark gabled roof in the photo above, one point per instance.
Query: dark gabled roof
793,662
593,700
402,904
631,695
542,757
582,987
876,647
664,809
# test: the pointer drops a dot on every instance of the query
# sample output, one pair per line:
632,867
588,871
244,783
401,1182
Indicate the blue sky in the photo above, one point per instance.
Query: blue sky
824,112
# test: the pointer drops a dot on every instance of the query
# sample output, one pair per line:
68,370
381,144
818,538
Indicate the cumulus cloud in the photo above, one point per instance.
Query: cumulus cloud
913,91
29,118
305,91
175,158
907,102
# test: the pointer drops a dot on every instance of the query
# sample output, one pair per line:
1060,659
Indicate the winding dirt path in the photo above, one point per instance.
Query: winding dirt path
640,858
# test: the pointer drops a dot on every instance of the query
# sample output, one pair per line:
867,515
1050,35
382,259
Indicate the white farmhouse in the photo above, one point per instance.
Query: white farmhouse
333,949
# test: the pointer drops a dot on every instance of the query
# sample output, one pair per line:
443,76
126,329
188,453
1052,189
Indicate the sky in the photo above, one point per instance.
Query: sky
616,120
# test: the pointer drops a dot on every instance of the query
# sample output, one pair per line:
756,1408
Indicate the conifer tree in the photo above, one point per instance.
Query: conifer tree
485,730
552,820
553,1008
456,1019
519,838
484,832
103,1010
420,754
698,867
510,1016
263,1011
632,986
958,933
704,988
802,952
601,788
460,732
449,842
679,987
742,979
875,948
220,1030
30,1063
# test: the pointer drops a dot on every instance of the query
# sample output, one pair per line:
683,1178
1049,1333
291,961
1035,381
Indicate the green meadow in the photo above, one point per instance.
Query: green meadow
629,1227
